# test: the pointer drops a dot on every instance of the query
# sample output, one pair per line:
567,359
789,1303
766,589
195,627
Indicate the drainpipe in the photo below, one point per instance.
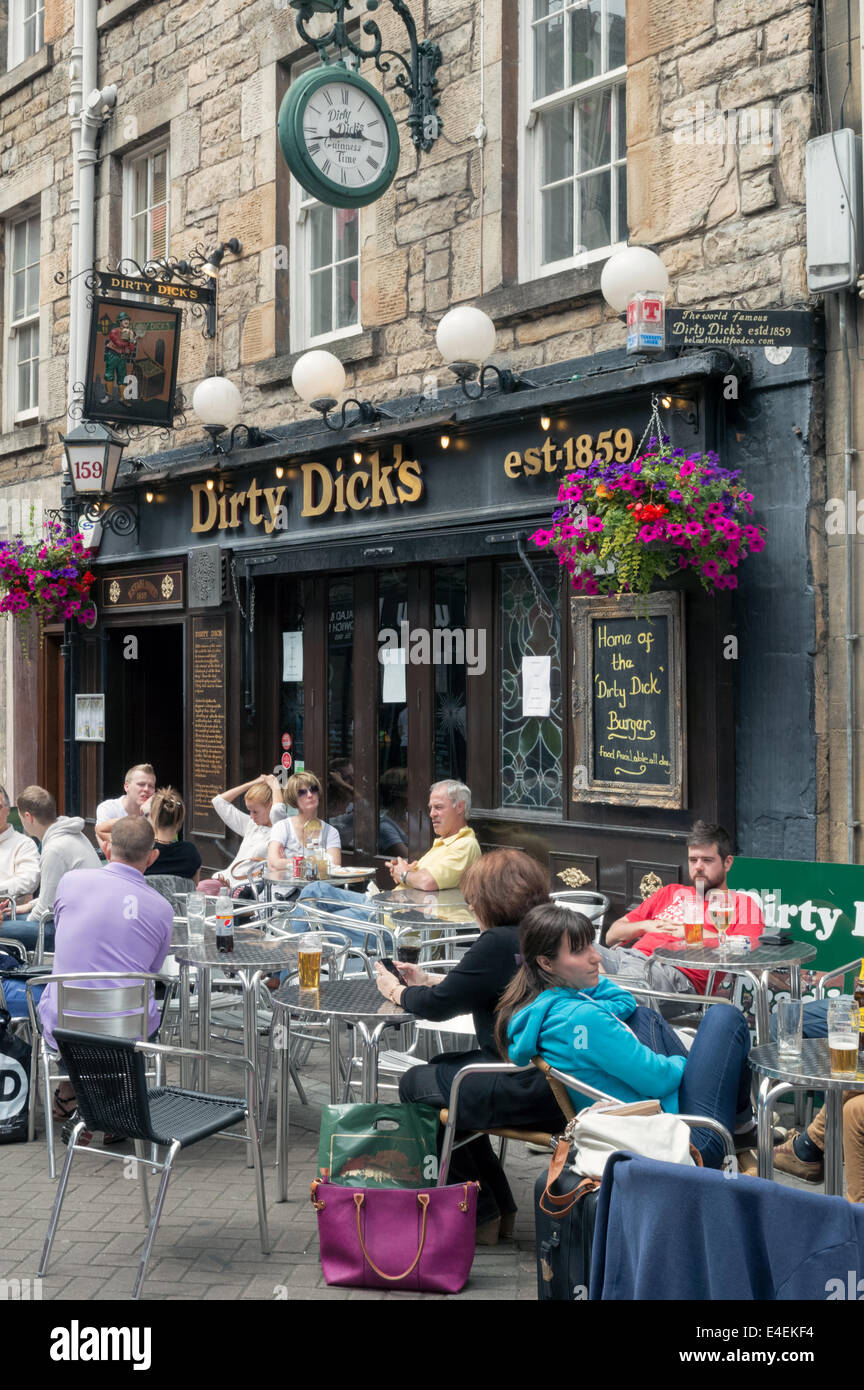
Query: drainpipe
76,88
851,636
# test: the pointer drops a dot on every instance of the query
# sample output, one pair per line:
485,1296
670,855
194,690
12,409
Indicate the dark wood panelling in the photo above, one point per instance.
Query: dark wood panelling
481,701
588,864
420,692
315,622
637,869
366,676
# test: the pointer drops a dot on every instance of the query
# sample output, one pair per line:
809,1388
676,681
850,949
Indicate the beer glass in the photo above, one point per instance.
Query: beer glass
693,917
843,1021
309,958
323,863
789,1023
721,910
408,946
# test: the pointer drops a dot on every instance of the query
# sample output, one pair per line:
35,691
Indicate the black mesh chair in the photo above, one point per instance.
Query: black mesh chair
112,1092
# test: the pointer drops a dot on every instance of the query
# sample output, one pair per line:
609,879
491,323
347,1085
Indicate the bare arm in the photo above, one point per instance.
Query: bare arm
624,931
234,792
415,878
276,858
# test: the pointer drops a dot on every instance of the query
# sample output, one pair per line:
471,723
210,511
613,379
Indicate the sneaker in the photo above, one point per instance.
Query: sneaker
786,1159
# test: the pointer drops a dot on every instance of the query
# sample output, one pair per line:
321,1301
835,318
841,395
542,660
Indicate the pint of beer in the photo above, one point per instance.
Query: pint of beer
843,1020
309,957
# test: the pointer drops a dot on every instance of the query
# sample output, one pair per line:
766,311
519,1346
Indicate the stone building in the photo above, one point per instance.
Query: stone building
567,129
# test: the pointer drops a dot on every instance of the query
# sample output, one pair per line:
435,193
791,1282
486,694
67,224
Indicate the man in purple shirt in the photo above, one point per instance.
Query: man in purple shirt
110,919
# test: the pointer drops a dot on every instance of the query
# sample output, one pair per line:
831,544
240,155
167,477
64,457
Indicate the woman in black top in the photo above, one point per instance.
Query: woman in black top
500,888
177,857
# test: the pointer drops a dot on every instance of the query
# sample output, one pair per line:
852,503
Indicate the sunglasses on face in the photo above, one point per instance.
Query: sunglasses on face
309,791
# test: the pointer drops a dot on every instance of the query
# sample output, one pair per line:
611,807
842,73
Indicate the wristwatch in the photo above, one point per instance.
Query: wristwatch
403,876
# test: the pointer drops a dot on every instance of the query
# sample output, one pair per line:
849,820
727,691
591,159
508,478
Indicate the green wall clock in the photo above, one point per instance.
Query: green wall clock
338,136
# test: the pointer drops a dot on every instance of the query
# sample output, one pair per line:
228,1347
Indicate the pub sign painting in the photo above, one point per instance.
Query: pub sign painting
628,700
132,362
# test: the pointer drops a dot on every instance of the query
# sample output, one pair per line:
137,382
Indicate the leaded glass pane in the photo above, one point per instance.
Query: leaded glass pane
530,749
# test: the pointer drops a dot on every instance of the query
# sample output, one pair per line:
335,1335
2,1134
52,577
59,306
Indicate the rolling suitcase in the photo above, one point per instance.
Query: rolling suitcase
565,1208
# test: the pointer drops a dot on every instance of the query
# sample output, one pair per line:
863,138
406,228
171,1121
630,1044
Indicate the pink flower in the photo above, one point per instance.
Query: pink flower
542,537
757,544
594,523
589,585
568,531
648,533
686,469
674,495
710,570
674,531
693,528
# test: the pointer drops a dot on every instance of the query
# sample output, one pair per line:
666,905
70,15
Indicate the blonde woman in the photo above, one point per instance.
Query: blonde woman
177,857
289,837
264,809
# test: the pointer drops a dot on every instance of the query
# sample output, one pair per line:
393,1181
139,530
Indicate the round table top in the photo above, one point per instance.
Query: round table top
812,1069
413,905
338,877
758,958
252,951
352,998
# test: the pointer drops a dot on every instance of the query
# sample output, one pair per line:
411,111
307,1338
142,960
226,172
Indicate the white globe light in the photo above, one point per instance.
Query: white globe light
632,271
318,376
466,334
216,401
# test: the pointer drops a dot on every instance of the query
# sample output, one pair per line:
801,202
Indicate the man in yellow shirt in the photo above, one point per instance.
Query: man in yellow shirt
454,848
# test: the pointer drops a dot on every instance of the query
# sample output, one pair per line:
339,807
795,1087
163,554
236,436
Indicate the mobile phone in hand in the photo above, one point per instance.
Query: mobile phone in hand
387,962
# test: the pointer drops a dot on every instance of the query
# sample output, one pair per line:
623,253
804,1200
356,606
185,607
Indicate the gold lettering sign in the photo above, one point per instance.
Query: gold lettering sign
341,488
573,453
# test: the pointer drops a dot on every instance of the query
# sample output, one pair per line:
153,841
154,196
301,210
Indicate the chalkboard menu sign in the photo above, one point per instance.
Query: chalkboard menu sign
208,722
629,700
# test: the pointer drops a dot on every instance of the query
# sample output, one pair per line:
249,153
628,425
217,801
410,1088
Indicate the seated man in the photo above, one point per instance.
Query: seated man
19,861
453,850
659,921
64,847
139,785
803,1154
109,919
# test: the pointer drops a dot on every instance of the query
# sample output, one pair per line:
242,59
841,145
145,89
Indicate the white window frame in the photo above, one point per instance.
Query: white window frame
12,416
19,46
130,163
301,300
531,266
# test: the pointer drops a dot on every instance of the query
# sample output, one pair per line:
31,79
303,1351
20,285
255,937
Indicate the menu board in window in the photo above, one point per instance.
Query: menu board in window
628,700
208,722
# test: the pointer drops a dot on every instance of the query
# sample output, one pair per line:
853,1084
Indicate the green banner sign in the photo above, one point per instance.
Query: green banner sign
822,904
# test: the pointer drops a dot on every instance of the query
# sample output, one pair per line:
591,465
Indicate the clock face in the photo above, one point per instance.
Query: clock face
346,136
339,137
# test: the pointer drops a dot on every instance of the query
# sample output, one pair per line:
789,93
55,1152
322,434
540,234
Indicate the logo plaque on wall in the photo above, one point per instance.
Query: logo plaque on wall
132,362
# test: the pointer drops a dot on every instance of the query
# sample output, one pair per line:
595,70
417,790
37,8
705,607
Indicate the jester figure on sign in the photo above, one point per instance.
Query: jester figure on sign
120,352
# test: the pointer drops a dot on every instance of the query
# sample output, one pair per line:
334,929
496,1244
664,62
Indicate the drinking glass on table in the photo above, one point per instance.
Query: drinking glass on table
721,910
196,909
843,1023
693,919
309,958
789,1028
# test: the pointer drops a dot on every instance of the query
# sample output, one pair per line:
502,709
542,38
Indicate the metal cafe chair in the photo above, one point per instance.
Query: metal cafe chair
560,1082
110,1083
108,1010
592,905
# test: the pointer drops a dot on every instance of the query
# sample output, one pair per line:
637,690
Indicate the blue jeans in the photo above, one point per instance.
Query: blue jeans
26,930
342,901
716,1080
814,1018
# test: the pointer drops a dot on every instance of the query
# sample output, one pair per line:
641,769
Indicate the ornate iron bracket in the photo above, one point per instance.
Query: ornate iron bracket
417,75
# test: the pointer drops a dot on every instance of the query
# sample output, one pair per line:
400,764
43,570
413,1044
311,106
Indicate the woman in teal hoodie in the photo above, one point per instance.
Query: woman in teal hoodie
558,1007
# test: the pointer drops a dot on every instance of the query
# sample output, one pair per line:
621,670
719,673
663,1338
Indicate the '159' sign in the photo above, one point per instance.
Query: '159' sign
87,474
576,452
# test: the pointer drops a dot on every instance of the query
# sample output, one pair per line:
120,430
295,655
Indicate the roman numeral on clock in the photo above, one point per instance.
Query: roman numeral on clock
344,175
379,144
325,167
314,148
344,95
373,163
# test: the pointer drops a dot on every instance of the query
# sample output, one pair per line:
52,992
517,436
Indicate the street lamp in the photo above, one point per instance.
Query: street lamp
93,455
636,280
466,337
319,379
217,403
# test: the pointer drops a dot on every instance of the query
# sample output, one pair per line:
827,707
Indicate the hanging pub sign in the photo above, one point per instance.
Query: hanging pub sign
628,700
132,362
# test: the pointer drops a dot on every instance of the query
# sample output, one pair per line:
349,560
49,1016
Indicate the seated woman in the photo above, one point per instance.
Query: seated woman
289,837
559,1008
265,808
501,888
179,858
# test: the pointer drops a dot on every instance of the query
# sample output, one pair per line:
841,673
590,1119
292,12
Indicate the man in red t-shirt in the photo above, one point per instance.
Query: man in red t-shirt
659,921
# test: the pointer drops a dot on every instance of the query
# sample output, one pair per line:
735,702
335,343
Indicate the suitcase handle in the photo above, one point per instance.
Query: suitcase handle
568,1201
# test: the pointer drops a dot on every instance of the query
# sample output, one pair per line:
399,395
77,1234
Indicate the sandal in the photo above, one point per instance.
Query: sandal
63,1107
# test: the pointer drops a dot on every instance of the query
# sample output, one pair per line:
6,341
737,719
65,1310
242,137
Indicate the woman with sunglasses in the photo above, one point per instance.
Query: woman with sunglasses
289,837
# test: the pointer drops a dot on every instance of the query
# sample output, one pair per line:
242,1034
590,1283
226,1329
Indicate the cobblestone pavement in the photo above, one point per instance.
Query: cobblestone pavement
207,1243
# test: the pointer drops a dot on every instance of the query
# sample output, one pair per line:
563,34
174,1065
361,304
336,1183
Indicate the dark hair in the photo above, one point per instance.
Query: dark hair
541,934
503,886
704,833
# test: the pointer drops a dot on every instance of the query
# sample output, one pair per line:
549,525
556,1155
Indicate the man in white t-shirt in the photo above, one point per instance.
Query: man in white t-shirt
139,784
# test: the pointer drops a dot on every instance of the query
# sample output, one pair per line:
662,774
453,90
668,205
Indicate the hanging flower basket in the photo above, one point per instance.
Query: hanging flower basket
48,578
624,526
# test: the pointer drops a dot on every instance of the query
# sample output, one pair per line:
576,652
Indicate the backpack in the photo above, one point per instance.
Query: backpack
14,1083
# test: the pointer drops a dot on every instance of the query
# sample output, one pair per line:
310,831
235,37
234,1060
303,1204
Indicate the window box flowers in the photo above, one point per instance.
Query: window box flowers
621,527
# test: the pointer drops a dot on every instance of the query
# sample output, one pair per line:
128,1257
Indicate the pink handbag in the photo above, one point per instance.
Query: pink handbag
397,1238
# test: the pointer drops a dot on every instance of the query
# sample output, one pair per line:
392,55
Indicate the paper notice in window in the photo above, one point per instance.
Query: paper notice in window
536,686
292,656
393,660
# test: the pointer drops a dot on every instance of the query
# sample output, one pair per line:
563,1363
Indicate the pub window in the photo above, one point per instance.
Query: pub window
393,716
530,747
22,295
340,709
26,30
146,199
574,205
325,268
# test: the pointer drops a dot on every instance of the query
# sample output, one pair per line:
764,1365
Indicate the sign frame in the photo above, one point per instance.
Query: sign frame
584,612
90,718
158,410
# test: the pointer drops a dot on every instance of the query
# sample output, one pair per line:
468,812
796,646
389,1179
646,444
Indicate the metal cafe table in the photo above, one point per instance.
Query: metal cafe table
755,965
357,1001
339,878
811,1072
